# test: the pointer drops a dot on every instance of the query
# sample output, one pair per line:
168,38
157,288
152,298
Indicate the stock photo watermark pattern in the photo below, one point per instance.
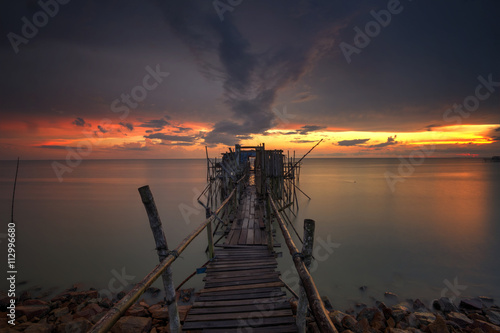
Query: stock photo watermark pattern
121,106
455,115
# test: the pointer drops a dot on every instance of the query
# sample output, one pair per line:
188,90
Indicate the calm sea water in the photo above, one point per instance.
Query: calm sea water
437,234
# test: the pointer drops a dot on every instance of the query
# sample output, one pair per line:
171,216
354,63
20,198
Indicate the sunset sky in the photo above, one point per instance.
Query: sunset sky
164,79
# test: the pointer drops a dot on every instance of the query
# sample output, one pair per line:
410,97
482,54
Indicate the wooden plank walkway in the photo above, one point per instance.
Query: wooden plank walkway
243,291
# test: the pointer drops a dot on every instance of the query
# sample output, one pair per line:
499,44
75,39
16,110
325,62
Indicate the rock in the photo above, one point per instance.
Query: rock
120,295
367,313
159,312
390,295
336,318
399,312
380,305
471,303
362,326
327,303
39,328
60,312
77,296
78,325
425,318
105,303
348,322
35,302
418,305
89,311
459,318
412,320
363,288
447,305
486,327
378,321
391,322
153,291
487,299
360,305
438,326
31,311
493,316
130,324
137,311
477,330
395,330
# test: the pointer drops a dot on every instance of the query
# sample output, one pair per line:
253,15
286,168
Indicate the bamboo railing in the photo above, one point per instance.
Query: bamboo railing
315,303
112,316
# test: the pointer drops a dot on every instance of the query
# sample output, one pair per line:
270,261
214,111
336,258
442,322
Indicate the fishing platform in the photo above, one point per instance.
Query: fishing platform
248,189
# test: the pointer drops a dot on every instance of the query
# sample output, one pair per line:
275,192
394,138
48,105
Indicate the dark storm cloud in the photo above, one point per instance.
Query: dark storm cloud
304,130
80,122
129,126
497,129
303,141
102,129
251,80
430,127
168,137
157,124
390,141
355,142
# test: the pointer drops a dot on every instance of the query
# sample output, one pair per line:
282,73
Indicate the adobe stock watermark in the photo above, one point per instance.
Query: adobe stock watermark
454,289
372,29
283,116
322,250
222,6
122,106
116,284
189,210
30,28
455,114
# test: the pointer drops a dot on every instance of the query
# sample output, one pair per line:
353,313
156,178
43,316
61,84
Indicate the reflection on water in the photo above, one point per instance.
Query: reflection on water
440,224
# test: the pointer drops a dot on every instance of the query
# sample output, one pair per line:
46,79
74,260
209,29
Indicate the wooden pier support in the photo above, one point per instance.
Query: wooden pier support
307,249
162,249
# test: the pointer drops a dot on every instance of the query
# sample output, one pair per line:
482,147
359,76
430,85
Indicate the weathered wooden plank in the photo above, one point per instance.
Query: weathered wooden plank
208,297
263,300
241,282
271,290
256,285
239,315
238,323
285,328
241,308
269,274
238,273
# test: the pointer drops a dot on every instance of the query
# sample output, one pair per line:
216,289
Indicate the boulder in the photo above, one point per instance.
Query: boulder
368,313
336,318
445,304
399,312
349,322
159,312
493,316
77,325
60,312
362,326
390,296
130,324
418,305
471,303
89,311
412,320
485,326
39,328
31,311
137,311
395,330
459,318
438,326
35,302
425,318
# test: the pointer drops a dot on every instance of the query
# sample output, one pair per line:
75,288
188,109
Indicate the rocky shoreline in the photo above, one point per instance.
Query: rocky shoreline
76,310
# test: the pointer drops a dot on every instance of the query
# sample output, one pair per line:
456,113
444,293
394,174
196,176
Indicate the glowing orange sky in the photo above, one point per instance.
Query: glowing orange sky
52,139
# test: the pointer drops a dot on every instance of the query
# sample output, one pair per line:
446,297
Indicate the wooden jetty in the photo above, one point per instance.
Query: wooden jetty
242,289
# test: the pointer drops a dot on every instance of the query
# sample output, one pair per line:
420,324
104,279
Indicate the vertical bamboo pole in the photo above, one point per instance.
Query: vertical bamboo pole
269,224
307,249
162,249
210,236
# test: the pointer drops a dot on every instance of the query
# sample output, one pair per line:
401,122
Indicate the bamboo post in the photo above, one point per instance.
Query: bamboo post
307,249
269,224
210,236
162,249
